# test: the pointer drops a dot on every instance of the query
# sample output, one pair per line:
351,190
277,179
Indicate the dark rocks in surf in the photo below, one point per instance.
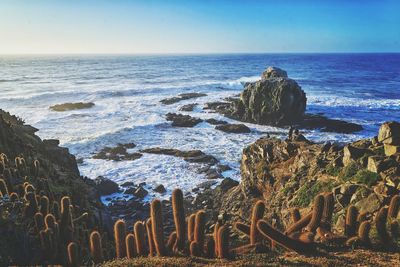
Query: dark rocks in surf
181,97
180,120
105,186
188,107
233,128
216,122
118,153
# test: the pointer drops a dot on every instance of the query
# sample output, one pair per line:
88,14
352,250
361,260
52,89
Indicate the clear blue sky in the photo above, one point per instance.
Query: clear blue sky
151,26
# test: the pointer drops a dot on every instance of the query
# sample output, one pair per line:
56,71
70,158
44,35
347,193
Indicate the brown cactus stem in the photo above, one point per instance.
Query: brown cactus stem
286,242
242,227
223,242
73,256
199,229
179,218
249,249
210,248
32,206
353,242
36,168
44,205
14,197
39,221
150,238
130,246
299,224
307,237
191,224
217,225
157,227
45,242
380,224
394,206
363,216
257,214
363,233
324,234
194,249
350,229
295,215
119,236
317,212
329,205
96,248
65,219
56,210
140,239
3,188
395,229
171,242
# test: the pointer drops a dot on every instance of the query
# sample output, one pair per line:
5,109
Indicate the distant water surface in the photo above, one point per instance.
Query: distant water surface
361,88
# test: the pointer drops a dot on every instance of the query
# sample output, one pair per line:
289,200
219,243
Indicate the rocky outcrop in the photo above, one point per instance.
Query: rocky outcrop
389,135
118,153
290,173
71,106
233,128
181,97
180,120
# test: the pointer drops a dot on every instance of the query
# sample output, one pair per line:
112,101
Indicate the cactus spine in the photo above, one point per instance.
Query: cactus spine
317,212
139,238
130,246
258,213
394,206
199,228
157,227
96,248
150,238
73,257
179,218
119,235
223,242
350,229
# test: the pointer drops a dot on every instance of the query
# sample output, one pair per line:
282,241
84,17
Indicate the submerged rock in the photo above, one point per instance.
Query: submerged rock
118,153
233,128
71,106
186,96
180,120
188,107
106,186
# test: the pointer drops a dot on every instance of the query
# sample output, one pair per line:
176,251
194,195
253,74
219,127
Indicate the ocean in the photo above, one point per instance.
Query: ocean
126,90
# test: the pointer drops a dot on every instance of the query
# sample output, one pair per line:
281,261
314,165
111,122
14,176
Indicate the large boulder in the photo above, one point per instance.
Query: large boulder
273,100
389,133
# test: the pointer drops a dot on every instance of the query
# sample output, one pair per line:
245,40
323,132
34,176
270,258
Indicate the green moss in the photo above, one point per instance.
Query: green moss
307,192
365,177
349,171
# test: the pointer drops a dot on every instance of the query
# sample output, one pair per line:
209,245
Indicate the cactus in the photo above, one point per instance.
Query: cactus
3,188
350,229
258,213
150,238
191,224
362,217
73,257
179,218
157,227
171,242
96,249
83,218
394,206
39,221
14,197
139,238
223,242
194,249
329,205
270,233
44,205
363,232
307,237
130,246
36,168
199,228
394,229
299,224
119,235
242,227
249,249
66,226
317,212
295,215
380,224
56,210
32,206
29,188
210,248
215,236
46,243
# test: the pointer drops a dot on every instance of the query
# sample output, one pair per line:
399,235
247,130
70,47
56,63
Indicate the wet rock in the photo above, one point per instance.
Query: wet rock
160,189
127,184
118,153
274,72
224,168
140,193
389,133
105,186
216,122
213,174
130,190
208,159
233,128
196,156
71,106
188,107
316,121
221,107
180,120
186,96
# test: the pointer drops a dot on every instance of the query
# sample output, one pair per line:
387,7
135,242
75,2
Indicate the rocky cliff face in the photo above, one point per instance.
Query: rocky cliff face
275,100
289,173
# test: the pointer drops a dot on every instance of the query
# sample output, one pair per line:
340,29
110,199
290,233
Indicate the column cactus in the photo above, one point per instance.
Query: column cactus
130,246
39,221
350,229
295,215
3,188
394,206
380,224
329,205
317,212
223,242
179,219
139,238
150,238
73,255
96,248
44,205
157,227
119,236
191,224
257,214
199,229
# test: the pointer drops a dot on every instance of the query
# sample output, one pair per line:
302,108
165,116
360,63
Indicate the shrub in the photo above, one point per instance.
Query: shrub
349,171
366,177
